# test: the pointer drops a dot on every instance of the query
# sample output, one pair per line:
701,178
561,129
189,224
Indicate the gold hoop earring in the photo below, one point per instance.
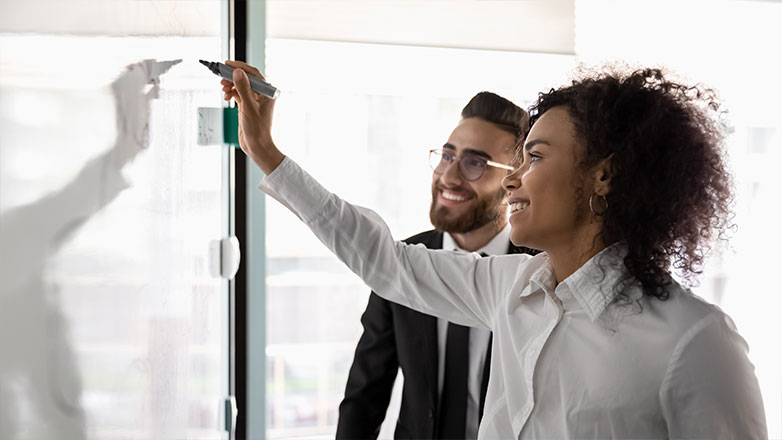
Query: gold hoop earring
605,202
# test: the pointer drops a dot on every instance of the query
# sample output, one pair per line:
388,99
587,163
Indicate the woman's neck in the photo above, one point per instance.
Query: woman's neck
570,256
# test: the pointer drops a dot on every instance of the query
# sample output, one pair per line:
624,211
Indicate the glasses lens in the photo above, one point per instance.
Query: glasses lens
438,163
472,167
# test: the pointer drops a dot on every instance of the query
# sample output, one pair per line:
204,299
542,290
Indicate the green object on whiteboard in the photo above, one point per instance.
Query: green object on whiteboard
231,126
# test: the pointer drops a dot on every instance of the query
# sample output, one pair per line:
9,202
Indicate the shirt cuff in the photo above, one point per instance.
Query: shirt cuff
290,185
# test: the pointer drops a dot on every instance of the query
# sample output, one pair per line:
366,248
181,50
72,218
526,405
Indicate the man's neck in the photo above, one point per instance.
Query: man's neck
477,238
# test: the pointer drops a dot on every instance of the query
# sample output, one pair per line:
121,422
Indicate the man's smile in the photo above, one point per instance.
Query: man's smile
449,197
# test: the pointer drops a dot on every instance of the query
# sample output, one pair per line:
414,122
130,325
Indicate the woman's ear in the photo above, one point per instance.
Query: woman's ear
602,174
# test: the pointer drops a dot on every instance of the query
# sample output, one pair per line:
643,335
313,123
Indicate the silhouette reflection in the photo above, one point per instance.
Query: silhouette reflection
40,383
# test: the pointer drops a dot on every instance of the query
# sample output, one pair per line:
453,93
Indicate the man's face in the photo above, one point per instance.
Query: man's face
459,205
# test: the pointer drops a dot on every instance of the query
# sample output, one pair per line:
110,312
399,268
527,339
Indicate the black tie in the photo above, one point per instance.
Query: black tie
485,380
453,401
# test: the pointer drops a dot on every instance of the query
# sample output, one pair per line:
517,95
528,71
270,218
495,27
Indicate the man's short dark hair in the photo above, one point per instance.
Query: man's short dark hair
500,112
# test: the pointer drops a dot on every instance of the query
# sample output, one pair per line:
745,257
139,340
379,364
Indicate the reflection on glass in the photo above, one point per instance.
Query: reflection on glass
39,371
110,323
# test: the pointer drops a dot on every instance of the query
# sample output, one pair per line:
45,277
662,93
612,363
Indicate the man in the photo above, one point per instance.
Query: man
445,365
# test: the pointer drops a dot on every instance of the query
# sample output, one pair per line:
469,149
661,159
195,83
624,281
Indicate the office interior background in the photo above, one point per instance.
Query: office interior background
114,323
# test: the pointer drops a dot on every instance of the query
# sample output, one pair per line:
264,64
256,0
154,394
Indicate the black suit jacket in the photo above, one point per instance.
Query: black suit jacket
396,336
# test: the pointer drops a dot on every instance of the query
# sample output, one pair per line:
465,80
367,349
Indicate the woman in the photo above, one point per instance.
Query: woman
621,176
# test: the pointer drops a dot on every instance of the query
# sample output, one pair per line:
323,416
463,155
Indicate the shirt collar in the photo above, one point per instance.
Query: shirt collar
593,285
496,246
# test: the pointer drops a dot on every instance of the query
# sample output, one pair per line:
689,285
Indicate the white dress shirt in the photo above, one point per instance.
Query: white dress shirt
478,342
567,360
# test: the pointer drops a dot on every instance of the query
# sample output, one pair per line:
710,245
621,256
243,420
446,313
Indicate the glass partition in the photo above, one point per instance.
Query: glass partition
112,325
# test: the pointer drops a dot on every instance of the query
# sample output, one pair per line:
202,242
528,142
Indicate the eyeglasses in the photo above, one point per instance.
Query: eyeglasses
470,165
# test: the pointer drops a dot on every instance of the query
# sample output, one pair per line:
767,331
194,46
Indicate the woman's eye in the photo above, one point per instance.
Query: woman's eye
533,157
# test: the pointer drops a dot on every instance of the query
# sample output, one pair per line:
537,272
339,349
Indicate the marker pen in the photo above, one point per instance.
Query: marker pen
257,85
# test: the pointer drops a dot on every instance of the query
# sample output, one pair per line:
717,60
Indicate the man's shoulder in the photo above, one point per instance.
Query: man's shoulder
431,239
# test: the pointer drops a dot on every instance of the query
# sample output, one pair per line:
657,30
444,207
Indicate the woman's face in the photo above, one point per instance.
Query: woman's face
549,193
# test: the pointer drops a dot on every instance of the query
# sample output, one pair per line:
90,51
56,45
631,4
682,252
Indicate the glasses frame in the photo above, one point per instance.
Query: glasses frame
459,161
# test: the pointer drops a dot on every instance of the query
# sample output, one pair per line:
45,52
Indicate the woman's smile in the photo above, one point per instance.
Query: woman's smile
517,205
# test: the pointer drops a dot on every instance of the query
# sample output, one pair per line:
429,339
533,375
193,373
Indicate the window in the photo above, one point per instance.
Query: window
364,130
360,118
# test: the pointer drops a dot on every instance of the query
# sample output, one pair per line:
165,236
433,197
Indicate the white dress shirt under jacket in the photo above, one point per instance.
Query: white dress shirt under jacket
478,343
567,360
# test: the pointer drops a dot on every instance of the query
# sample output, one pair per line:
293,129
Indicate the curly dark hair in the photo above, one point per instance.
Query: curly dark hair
670,189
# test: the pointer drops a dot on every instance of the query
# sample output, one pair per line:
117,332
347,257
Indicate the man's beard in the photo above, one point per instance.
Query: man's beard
482,211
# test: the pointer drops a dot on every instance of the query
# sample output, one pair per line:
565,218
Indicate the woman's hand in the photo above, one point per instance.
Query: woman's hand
255,117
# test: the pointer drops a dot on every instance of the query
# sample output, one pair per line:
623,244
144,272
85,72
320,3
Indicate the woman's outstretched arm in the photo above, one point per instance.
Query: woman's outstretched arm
462,288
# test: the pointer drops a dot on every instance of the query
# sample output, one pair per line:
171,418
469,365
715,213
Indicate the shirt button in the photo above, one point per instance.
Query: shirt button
431,414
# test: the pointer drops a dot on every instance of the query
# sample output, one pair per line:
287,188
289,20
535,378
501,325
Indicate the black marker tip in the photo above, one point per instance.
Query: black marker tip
214,67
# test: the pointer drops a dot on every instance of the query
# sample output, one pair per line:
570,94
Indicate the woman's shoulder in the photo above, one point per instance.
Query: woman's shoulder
688,313
685,301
